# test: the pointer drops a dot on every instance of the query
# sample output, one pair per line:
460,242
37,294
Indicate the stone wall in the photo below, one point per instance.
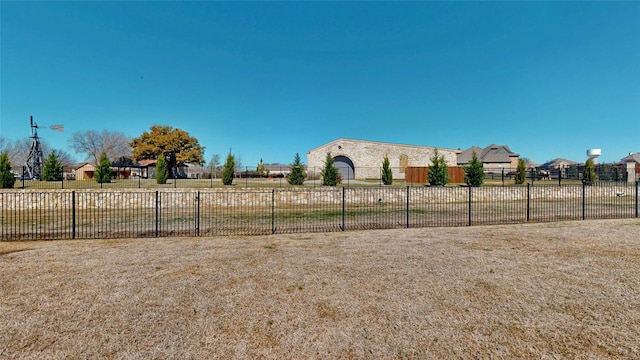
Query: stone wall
146,199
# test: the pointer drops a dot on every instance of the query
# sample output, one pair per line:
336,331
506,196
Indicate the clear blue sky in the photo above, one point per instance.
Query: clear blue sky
269,79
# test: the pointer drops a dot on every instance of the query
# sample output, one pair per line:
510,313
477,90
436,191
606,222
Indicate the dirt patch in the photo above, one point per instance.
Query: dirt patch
558,290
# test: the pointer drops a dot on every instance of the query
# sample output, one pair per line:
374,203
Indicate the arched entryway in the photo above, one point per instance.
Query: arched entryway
345,167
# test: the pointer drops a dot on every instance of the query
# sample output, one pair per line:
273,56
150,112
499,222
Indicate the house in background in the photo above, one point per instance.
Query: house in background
147,169
493,157
632,165
566,168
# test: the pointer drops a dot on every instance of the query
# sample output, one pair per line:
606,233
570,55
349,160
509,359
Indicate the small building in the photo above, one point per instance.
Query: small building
84,171
360,159
493,157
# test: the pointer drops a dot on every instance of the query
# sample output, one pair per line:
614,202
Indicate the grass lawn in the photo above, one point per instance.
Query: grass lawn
553,290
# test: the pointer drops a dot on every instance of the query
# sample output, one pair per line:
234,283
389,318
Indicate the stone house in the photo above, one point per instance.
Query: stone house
360,159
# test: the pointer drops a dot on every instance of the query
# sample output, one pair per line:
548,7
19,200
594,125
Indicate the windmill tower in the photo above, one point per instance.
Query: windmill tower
33,164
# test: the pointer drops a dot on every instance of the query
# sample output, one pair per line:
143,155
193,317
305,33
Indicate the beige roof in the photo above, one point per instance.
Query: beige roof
491,154
558,162
631,158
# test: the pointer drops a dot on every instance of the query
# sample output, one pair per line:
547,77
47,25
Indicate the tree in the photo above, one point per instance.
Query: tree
521,172
162,172
617,174
7,179
214,163
474,172
228,170
262,170
589,172
604,172
387,175
103,170
329,173
175,145
438,171
573,172
93,143
52,168
297,175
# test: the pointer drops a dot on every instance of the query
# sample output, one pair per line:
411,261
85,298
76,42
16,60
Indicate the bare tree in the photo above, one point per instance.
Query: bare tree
18,151
93,143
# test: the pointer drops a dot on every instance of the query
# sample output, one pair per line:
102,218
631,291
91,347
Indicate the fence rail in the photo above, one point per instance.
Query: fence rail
90,214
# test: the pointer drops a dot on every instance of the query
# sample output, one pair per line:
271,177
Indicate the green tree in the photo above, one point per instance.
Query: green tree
297,175
521,172
262,170
228,170
604,172
176,145
329,172
474,172
162,171
589,172
52,167
103,170
7,179
438,171
387,175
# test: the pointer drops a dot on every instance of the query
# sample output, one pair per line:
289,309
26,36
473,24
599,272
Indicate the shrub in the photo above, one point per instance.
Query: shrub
7,179
262,170
297,175
329,173
438,171
387,175
52,168
162,170
228,171
103,170
589,172
474,172
521,172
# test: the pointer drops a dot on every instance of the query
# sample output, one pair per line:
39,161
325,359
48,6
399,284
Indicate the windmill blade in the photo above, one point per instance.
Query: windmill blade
57,128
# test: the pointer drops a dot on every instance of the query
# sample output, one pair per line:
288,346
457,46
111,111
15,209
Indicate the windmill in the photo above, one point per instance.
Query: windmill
33,164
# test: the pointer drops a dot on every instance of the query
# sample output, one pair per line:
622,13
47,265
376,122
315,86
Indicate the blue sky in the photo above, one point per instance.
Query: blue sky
271,79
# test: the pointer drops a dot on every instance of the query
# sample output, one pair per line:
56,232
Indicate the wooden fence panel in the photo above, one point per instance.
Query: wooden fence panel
420,174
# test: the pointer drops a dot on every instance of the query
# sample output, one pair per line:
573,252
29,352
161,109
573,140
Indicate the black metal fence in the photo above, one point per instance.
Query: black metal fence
90,214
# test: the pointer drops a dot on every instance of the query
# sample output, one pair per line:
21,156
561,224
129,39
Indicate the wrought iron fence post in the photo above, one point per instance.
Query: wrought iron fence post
198,213
470,204
584,201
408,206
73,214
273,211
157,212
528,201
343,207
637,182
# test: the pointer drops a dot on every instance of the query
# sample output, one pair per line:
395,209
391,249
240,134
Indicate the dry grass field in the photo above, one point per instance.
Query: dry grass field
568,290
